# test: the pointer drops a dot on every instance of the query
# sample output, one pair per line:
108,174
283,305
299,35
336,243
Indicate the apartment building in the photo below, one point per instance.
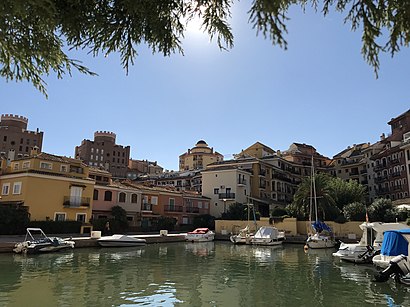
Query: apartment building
198,157
104,153
15,140
138,168
52,187
390,166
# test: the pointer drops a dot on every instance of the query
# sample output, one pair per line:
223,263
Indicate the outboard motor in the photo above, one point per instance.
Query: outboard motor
398,267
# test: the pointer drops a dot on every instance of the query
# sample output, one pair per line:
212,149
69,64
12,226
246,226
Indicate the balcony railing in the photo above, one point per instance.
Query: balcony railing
173,208
226,195
242,181
380,179
396,174
146,207
363,171
75,202
394,161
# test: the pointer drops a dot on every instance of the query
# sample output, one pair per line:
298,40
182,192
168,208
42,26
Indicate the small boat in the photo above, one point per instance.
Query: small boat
323,236
120,241
36,241
369,245
395,243
394,256
200,235
268,235
243,237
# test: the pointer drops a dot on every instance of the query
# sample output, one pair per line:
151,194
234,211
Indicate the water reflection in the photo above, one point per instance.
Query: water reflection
208,273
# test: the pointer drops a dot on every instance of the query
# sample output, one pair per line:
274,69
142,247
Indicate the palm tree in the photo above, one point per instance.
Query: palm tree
325,203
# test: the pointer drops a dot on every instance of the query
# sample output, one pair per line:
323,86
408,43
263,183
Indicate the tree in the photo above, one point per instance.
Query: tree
382,210
355,212
346,192
36,36
204,220
119,222
324,199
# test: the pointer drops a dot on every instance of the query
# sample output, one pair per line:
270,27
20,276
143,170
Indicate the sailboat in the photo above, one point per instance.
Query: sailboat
245,235
323,236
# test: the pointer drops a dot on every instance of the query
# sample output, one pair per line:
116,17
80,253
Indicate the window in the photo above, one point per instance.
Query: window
108,196
171,203
122,197
45,165
130,218
17,188
134,198
200,204
81,217
5,189
64,168
95,195
92,157
145,200
92,149
154,200
216,191
59,216
26,165
5,138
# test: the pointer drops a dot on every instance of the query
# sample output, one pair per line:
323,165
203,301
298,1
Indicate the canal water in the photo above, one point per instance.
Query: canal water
192,274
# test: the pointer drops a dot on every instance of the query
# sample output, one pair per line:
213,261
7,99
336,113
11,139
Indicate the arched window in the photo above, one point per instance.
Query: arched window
121,198
108,196
134,198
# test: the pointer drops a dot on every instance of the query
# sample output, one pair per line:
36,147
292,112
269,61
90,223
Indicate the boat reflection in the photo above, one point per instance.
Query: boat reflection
200,248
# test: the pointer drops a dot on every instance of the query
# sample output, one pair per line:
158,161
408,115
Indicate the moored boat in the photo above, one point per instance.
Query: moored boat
268,235
243,237
369,245
36,241
120,241
200,235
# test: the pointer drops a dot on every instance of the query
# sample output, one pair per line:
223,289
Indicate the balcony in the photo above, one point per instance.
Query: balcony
76,202
397,187
380,179
396,174
173,208
226,195
262,172
192,209
394,161
363,171
146,207
351,174
379,167
241,181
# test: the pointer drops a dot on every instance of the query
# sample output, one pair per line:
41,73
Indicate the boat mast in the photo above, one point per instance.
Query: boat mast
314,189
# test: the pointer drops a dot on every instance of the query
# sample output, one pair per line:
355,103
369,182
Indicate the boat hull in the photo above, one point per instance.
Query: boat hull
120,241
355,253
317,241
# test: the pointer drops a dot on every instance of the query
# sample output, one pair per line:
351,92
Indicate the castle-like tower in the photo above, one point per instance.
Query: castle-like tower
15,140
104,153
198,157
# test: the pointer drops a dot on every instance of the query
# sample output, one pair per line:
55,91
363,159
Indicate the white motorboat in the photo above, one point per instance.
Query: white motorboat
120,241
369,245
200,235
268,235
393,257
36,241
395,243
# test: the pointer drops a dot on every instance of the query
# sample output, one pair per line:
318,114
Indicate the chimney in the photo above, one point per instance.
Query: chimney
382,137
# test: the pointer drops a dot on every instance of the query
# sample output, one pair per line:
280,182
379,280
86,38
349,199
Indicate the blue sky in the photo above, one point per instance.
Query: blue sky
320,91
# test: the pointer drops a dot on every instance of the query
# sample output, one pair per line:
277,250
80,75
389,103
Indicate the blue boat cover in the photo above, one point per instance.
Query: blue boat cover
319,226
394,243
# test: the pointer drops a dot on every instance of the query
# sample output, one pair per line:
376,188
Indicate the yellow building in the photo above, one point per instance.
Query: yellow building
198,157
52,187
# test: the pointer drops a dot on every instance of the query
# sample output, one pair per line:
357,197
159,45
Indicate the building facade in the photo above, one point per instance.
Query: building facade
138,168
198,157
15,140
390,166
52,187
104,153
